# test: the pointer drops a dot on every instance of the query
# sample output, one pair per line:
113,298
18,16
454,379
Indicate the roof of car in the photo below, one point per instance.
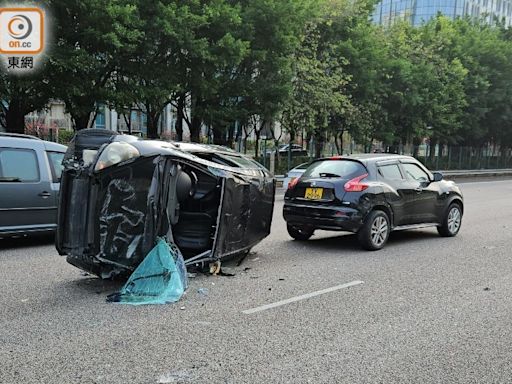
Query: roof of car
18,136
28,141
374,157
152,147
146,146
195,147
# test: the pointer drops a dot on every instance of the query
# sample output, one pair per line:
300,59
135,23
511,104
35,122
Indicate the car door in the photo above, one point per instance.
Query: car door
400,192
425,192
26,202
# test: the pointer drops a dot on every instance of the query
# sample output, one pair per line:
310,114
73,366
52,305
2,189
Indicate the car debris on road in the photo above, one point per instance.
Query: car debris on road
161,278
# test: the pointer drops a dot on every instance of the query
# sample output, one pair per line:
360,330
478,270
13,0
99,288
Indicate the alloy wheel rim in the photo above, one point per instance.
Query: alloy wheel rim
379,231
454,220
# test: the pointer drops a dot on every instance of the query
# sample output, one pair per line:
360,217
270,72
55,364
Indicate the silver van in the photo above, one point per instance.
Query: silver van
30,171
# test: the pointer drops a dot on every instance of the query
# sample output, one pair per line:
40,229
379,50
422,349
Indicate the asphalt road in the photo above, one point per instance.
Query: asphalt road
430,310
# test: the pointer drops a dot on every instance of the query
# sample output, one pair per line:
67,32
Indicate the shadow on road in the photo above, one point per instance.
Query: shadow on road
90,284
344,241
412,236
27,241
349,242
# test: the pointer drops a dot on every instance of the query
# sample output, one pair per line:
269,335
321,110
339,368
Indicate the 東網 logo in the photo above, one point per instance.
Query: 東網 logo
21,31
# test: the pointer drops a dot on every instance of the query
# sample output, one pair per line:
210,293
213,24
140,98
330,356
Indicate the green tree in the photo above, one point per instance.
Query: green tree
186,50
425,92
90,38
317,88
274,29
365,49
20,95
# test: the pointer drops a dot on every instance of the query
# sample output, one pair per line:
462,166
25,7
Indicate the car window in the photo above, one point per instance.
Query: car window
229,160
414,172
239,161
19,165
260,166
346,169
391,172
55,160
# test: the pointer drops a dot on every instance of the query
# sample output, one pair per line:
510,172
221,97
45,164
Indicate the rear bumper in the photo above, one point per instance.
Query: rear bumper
332,218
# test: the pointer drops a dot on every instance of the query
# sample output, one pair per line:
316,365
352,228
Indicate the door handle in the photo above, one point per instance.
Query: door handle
419,189
45,194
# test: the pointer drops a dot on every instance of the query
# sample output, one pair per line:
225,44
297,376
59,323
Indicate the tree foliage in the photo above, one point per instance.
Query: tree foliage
319,67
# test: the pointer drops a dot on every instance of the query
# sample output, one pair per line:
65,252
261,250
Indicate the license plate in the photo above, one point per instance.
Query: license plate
314,193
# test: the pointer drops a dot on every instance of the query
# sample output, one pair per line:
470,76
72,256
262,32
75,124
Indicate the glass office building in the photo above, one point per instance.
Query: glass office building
420,11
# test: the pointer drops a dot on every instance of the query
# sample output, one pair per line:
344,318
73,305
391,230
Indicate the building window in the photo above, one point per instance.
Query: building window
100,118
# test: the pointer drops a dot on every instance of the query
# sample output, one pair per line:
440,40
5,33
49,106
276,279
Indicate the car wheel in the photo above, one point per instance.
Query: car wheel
451,221
375,231
299,233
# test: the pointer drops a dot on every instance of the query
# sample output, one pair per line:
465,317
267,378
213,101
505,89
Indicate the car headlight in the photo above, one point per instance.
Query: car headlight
116,153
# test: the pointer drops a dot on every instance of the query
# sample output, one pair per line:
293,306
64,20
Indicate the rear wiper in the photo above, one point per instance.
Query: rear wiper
327,174
10,179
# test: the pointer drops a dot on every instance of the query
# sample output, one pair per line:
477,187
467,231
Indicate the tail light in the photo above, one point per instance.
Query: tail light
355,185
293,182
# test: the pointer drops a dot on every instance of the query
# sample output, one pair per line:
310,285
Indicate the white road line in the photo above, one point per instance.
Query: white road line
302,297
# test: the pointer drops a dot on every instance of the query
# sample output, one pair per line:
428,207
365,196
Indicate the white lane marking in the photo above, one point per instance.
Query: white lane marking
301,297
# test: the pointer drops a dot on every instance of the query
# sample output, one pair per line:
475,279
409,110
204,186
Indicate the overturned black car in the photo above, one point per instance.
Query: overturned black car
119,194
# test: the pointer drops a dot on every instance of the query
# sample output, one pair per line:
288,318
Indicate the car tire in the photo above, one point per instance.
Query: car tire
299,233
452,221
374,233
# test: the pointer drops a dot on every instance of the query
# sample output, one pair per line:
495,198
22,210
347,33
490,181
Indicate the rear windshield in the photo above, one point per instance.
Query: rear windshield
346,169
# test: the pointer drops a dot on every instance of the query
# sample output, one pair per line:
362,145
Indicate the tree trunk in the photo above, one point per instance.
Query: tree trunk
219,136
15,118
179,118
238,136
319,139
153,117
81,121
256,143
231,136
415,147
337,144
195,129
197,120
128,121
307,140
341,141
433,143
244,139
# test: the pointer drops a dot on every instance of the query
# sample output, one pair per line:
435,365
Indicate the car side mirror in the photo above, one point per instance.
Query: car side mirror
438,176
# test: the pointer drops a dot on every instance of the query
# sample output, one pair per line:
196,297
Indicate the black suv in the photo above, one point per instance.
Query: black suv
371,195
